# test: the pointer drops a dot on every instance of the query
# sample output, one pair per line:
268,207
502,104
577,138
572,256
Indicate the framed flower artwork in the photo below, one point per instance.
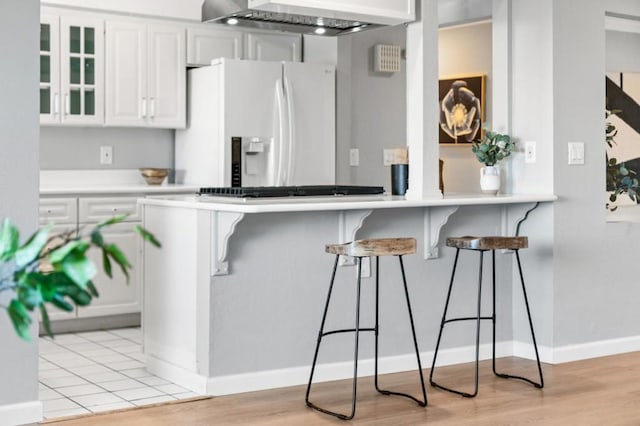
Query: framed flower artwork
461,100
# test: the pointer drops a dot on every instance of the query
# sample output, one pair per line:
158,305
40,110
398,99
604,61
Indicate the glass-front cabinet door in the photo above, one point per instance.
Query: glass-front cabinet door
49,70
82,70
71,70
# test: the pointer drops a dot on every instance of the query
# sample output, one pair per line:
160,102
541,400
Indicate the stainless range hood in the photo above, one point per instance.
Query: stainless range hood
339,17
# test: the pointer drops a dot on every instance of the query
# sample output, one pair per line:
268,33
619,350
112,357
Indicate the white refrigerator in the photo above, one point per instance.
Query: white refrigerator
255,123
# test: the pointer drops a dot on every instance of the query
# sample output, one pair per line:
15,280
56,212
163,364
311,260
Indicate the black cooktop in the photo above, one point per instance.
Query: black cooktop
290,191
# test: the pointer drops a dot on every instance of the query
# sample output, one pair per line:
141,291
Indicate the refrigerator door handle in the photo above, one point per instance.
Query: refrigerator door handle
291,140
281,141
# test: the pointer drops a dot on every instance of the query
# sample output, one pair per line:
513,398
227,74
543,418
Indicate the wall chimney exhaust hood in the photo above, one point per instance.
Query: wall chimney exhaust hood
322,17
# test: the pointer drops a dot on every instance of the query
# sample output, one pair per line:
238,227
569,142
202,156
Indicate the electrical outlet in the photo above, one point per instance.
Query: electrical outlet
366,267
530,152
106,155
388,156
354,157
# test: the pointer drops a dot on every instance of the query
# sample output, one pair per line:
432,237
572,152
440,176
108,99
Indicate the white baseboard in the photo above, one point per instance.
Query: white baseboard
21,413
597,349
178,375
272,379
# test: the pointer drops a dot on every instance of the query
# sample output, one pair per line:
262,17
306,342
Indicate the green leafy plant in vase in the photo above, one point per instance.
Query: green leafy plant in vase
55,269
621,179
490,150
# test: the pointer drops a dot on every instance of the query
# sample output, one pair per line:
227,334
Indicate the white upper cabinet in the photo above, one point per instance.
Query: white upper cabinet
71,70
145,75
210,41
272,46
207,42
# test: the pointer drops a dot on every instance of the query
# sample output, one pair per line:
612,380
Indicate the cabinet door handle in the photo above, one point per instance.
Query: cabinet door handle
67,106
56,104
143,107
152,109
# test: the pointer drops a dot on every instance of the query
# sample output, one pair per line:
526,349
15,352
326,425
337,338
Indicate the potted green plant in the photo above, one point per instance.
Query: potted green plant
490,150
621,179
55,269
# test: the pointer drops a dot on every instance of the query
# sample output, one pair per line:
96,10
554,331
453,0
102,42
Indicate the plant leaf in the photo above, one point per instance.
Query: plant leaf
32,248
147,236
58,255
20,319
96,238
30,297
119,258
106,263
45,320
59,302
111,221
93,291
9,237
78,268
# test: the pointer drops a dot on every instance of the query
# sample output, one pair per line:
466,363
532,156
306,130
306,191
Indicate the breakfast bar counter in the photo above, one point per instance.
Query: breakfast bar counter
232,298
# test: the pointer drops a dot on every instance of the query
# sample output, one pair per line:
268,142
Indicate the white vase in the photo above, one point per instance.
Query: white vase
490,179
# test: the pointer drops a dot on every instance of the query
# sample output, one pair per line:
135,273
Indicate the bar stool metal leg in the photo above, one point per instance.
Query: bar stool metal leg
445,321
322,334
423,402
539,385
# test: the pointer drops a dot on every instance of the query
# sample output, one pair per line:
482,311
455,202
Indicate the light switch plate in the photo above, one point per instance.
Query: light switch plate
576,153
354,157
530,152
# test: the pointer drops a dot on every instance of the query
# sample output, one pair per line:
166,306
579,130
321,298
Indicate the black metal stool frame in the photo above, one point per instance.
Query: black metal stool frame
357,331
478,318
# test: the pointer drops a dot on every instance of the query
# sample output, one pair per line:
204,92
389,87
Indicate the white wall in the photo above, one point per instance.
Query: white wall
19,20
463,50
622,51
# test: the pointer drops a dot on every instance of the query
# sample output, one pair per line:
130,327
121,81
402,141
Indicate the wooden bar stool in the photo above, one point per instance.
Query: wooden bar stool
482,244
359,249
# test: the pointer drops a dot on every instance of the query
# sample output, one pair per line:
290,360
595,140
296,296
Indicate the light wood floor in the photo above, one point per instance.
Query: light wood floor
601,391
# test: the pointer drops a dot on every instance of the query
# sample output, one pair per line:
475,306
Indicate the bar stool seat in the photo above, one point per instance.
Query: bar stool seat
375,247
488,243
359,249
482,244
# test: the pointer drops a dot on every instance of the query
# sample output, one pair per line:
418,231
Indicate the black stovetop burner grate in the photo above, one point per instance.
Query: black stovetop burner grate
290,191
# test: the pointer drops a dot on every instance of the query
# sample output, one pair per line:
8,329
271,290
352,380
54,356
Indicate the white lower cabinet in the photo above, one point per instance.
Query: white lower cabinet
117,296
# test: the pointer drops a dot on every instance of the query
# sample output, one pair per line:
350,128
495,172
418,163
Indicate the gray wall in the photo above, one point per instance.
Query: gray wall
79,147
371,107
19,20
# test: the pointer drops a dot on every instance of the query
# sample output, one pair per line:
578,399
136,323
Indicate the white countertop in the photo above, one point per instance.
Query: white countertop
134,188
101,182
353,202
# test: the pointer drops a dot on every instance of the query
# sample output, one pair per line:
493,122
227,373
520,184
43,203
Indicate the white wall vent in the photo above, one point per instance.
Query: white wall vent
386,58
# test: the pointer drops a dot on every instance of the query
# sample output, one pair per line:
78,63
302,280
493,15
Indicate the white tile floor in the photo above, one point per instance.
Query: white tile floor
97,371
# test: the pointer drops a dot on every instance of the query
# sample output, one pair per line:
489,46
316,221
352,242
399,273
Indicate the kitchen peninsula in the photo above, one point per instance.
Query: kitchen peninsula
232,300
